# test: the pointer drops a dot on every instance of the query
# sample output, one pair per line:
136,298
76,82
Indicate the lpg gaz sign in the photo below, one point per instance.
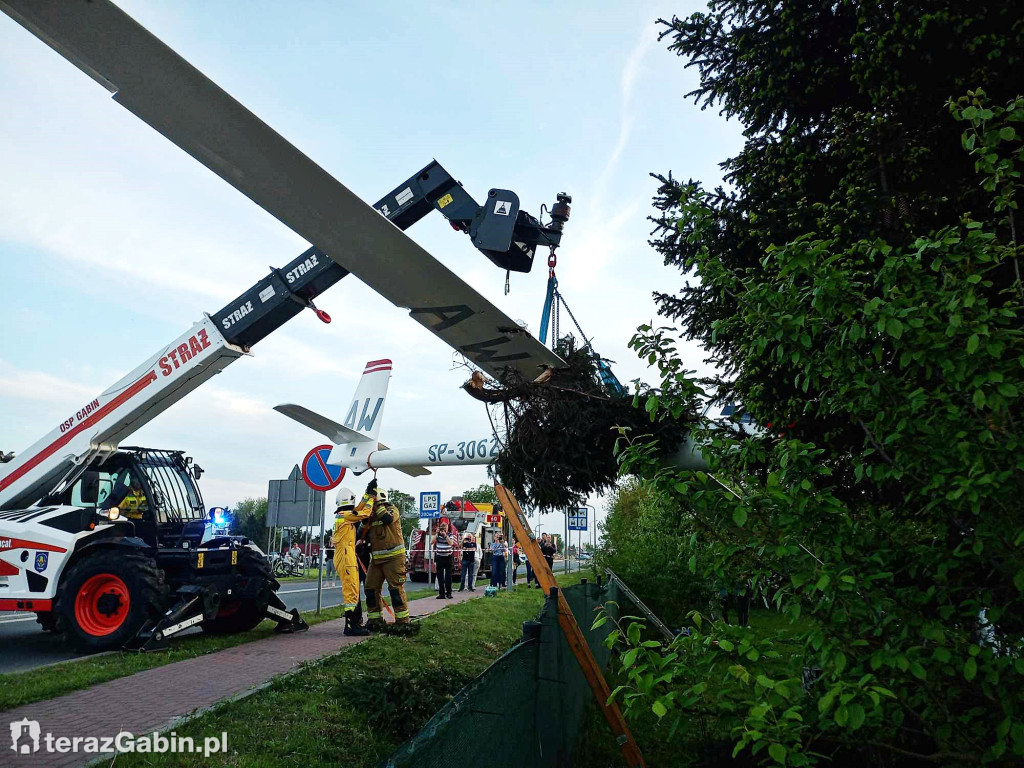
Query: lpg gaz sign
430,504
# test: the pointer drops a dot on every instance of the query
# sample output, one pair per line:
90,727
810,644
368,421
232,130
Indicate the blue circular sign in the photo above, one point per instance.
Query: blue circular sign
318,474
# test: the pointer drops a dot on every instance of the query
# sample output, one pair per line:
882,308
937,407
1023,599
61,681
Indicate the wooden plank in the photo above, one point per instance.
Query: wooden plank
573,634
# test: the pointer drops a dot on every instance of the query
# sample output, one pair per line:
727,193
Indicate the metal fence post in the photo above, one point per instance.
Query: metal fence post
321,553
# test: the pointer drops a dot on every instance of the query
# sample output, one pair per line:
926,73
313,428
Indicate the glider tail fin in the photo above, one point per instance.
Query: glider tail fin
366,411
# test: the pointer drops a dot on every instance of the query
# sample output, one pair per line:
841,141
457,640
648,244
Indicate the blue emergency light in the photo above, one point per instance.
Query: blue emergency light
219,515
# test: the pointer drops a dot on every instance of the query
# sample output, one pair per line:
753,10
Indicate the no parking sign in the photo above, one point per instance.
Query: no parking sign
318,474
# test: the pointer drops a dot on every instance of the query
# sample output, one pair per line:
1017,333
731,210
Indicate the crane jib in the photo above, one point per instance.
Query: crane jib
277,298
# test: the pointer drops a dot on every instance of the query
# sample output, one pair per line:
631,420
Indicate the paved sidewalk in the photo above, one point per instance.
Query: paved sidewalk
155,698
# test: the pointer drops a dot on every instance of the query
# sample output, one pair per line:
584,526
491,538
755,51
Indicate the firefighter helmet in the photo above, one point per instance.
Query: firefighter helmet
345,498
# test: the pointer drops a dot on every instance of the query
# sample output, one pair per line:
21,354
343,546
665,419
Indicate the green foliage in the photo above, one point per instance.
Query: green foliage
647,541
407,506
249,518
993,139
482,494
714,673
860,290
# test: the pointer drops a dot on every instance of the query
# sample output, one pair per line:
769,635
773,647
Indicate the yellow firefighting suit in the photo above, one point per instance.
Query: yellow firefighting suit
387,563
134,504
345,563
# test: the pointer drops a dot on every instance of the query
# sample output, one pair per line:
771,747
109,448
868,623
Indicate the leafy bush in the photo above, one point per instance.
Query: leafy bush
648,540
911,568
861,290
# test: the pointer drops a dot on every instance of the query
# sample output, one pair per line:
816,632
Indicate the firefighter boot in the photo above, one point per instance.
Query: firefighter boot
352,628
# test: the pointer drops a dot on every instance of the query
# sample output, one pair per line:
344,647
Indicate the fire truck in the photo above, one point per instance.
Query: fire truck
484,521
105,543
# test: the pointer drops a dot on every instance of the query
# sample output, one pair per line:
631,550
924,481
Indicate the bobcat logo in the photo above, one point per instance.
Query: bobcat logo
25,736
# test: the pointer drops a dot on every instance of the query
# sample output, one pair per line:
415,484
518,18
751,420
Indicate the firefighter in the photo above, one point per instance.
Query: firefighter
346,517
134,504
128,496
387,559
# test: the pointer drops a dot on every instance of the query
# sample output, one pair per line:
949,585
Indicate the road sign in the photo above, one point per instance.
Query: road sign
494,518
578,519
318,474
430,505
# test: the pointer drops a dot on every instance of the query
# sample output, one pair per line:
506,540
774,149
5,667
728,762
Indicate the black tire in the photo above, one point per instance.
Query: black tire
417,576
91,610
238,614
47,620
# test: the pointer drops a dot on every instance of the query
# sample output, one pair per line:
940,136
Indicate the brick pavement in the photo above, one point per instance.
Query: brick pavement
156,698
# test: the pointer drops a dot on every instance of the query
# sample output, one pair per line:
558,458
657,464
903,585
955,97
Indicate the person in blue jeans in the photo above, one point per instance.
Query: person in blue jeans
468,563
499,555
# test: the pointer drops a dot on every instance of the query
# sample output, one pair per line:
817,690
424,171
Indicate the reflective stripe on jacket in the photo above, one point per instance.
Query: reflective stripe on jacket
386,540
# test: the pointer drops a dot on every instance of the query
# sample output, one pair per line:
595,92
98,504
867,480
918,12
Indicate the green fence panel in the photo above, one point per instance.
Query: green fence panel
527,708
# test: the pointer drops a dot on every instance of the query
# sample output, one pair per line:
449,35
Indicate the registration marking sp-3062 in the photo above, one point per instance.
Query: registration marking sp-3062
464,449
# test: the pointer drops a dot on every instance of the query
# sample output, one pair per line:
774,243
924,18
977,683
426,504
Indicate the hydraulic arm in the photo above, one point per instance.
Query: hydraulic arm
97,427
506,235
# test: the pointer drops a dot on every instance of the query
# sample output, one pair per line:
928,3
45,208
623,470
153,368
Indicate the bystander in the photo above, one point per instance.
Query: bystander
548,549
499,557
469,559
445,545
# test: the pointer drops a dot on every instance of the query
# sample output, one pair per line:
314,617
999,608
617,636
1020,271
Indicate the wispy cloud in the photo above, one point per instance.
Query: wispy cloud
43,387
605,219
631,70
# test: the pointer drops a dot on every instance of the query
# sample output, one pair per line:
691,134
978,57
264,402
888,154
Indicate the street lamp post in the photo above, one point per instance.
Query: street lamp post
592,522
565,544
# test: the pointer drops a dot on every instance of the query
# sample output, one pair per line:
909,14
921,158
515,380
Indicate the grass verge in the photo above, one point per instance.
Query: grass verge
306,719
20,688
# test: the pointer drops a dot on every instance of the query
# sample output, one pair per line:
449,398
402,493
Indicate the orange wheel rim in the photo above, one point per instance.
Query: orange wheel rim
101,605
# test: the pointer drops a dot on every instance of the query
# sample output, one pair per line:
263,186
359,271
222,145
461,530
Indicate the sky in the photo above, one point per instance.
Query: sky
113,241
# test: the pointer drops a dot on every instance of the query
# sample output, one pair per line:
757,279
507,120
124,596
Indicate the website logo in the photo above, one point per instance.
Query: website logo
25,736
